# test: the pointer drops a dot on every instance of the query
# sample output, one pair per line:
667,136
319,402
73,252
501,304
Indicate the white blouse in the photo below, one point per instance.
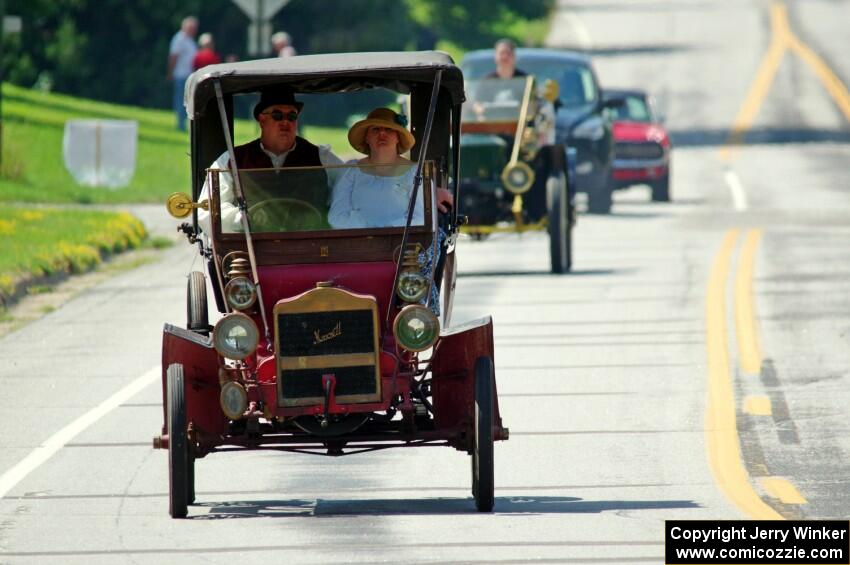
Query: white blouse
363,200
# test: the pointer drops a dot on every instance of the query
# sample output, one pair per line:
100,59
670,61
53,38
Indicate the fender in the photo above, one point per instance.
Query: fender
200,363
453,372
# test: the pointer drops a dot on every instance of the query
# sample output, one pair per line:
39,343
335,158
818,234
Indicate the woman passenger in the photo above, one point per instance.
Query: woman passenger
376,195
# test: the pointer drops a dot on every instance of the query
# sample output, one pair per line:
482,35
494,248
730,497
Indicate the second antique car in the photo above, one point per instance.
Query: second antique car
514,177
331,341
581,122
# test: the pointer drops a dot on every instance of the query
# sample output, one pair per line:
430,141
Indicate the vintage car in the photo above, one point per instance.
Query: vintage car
642,146
330,340
513,175
581,122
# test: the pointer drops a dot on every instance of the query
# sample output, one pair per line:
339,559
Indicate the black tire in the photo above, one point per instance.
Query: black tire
599,199
482,449
181,465
197,318
661,189
560,248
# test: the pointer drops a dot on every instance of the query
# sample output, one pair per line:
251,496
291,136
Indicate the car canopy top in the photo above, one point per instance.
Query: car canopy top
342,72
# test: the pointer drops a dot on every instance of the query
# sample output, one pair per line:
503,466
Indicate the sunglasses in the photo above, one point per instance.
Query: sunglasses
277,115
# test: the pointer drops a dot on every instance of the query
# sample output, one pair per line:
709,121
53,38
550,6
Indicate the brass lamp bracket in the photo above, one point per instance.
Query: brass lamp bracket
180,205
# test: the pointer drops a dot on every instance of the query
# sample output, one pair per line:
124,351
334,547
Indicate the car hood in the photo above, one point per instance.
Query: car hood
568,116
639,131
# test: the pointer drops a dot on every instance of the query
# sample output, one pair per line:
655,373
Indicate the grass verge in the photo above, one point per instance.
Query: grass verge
33,167
40,244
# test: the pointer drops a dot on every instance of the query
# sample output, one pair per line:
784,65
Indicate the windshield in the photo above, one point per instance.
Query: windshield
578,88
634,109
494,100
299,199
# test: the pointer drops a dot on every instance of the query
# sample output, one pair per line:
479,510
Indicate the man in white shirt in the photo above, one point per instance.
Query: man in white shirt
278,147
181,55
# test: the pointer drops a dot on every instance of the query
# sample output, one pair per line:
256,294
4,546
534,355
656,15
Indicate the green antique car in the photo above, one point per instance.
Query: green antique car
513,176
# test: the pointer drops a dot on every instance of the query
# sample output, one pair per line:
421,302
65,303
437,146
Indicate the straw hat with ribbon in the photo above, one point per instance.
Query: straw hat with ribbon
382,117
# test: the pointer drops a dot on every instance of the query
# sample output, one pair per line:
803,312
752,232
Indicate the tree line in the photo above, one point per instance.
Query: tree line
116,50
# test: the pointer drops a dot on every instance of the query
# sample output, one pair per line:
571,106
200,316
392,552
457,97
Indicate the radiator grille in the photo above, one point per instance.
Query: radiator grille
325,333
646,150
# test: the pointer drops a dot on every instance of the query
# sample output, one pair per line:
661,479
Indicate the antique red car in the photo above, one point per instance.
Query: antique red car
641,144
332,341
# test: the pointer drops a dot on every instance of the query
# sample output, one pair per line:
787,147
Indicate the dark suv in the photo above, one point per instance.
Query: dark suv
580,120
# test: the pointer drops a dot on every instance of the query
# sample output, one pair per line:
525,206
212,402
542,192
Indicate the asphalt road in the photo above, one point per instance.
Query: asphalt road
691,334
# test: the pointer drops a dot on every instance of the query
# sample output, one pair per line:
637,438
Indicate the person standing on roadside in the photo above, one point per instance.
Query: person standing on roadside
206,54
282,44
181,55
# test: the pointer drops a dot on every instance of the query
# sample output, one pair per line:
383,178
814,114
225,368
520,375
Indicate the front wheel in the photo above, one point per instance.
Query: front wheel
181,464
482,449
560,240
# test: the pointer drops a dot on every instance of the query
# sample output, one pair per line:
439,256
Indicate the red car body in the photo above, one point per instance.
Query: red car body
642,145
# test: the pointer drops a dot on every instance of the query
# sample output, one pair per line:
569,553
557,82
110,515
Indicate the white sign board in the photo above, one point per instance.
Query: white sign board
260,9
258,38
12,24
100,152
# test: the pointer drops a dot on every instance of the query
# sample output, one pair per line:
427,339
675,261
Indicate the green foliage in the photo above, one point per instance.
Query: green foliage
117,50
110,49
475,24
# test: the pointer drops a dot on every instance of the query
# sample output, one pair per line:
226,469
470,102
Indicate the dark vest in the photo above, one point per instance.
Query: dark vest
309,186
252,156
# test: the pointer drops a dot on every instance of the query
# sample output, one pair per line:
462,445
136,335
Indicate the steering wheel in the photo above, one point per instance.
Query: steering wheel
285,214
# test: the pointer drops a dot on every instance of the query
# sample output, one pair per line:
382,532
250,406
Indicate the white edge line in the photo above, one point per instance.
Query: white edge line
739,195
58,440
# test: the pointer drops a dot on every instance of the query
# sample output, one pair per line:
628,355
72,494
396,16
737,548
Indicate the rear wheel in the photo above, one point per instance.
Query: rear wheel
482,449
560,248
196,303
181,464
661,189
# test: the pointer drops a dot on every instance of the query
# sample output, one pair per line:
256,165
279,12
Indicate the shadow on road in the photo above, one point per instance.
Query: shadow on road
541,273
426,506
758,136
633,50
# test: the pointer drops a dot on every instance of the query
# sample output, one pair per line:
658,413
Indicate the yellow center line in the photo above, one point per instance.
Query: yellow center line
782,39
745,318
758,406
777,487
833,85
764,78
722,442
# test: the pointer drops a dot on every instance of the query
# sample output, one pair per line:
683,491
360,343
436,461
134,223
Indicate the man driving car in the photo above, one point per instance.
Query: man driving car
278,147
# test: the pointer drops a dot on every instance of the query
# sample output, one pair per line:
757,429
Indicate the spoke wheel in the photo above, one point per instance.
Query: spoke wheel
197,318
181,465
482,449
